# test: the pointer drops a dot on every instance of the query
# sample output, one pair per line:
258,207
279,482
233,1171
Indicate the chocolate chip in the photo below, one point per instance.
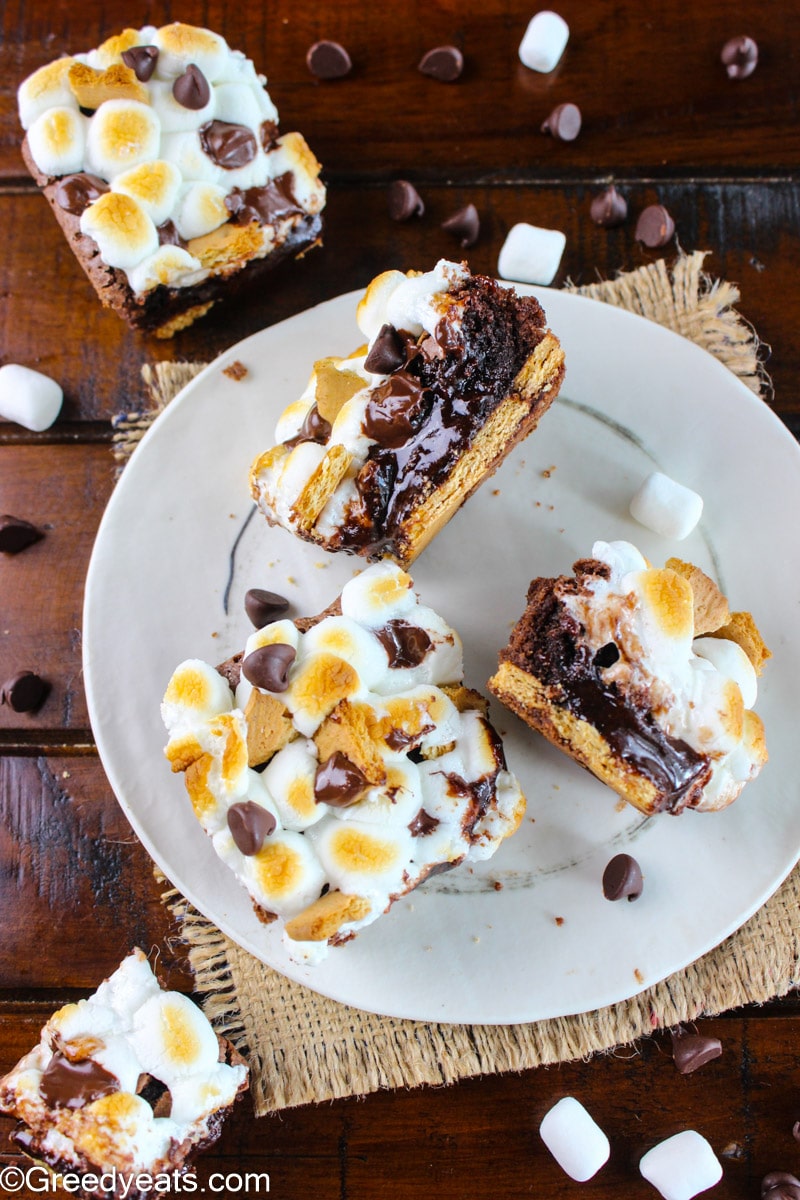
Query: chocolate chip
141,60
444,63
339,782
74,193
606,656
609,208
404,201
328,60
740,57
16,534
264,607
191,89
796,1131
268,135
168,235
250,826
622,877
780,1185
387,353
690,1051
464,224
268,667
655,227
228,145
25,692
564,122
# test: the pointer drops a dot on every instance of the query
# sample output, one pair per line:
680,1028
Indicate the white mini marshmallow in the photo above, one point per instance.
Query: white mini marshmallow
379,594
666,507
57,141
124,233
531,254
544,42
45,88
181,44
169,265
289,778
200,210
195,694
154,185
122,134
237,103
682,1166
730,659
173,1039
188,155
574,1139
28,397
175,117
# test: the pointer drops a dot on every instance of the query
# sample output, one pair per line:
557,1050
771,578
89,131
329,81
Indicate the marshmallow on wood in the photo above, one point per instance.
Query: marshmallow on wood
544,42
682,1166
531,254
574,1139
28,397
666,507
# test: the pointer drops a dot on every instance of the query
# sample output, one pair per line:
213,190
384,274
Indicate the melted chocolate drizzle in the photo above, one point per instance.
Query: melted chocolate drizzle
266,205
65,1084
423,824
406,644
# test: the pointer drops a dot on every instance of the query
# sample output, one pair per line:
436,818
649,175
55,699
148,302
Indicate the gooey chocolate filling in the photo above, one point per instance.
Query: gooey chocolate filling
547,644
66,1084
405,644
427,413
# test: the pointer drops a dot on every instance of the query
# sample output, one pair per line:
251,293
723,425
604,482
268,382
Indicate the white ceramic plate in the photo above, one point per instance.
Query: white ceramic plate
166,584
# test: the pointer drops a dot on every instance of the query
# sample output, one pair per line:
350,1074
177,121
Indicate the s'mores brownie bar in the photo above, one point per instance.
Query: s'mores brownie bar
384,446
643,676
340,761
160,155
131,1081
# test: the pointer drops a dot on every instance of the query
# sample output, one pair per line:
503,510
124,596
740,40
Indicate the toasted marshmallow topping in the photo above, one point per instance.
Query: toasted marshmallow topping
281,478
699,691
356,820
129,1029
147,137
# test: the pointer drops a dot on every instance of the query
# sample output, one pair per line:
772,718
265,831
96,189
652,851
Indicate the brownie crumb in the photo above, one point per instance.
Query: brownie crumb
236,370
558,920
497,885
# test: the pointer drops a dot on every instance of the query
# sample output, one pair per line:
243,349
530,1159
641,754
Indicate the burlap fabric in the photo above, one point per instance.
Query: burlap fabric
305,1048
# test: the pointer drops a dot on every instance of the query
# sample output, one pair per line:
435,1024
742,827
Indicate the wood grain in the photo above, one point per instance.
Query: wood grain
58,325
654,95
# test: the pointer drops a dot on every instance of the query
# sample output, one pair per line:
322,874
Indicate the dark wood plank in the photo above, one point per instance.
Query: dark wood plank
76,887
62,489
480,1137
59,326
654,94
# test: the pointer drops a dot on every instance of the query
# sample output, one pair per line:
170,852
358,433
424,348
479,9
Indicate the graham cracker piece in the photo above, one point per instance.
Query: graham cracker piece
334,387
465,699
92,88
346,730
183,320
227,248
709,606
742,629
326,916
269,728
321,486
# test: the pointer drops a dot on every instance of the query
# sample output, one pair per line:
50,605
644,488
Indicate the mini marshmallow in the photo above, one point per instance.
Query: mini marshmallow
417,304
131,984
544,41
153,185
682,1166
348,640
57,141
396,802
175,117
181,44
666,507
46,88
122,134
185,150
193,1098
371,311
361,859
28,397
285,876
574,1139
195,693
172,1039
730,659
200,210
237,103
122,229
171,266
289,778
531,254
378,595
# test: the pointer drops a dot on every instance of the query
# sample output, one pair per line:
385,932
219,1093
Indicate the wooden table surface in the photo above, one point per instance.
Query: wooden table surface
663,121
